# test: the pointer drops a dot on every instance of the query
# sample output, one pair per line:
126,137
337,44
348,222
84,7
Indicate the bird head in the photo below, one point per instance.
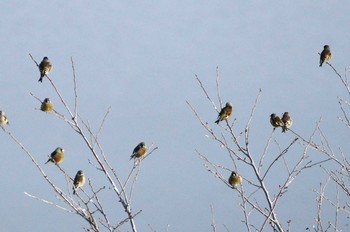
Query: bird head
142,144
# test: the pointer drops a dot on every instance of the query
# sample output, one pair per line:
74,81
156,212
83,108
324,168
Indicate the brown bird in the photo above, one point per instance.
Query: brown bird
79,181
276,121
47,105
287,121
45,68
56,156
326,55
225,112
3,119
139,151
235,179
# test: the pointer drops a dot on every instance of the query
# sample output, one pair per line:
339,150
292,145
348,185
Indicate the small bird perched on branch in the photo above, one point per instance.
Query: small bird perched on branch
79,181
326,55
235,179
276,121
47,105
225,112
56,156
139,151
45,68
3,119
287,122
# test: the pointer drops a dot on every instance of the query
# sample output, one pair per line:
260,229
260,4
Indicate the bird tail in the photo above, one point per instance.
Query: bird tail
132,156
74,192
217,121
321,63
42,74
48,161
284,129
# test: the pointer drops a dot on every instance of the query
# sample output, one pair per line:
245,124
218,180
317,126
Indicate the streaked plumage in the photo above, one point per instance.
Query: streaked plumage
139,150
326,55
225,112
287,121
47,105
45,68
57,156
276,121
235,179
79,181
3,119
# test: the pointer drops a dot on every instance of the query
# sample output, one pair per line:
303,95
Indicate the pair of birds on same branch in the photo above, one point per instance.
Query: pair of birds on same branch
45,68
285,122
235,179
57,157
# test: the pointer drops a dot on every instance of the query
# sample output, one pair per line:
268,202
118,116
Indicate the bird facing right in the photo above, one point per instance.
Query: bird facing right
56,156
45,68
3,118
47,105
225,112
139,151
326,55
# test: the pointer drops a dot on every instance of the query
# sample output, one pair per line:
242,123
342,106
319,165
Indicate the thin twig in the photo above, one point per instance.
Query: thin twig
48,202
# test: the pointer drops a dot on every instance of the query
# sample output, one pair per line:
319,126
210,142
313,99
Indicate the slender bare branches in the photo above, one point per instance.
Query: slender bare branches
48,202
75,90
213,224
88,204
238,149
343,80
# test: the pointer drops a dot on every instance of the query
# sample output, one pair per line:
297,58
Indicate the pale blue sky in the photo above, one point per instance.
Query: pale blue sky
140,58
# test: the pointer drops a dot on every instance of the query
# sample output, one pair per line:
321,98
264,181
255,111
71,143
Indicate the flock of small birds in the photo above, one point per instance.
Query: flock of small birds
57,156
285,121
140,150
